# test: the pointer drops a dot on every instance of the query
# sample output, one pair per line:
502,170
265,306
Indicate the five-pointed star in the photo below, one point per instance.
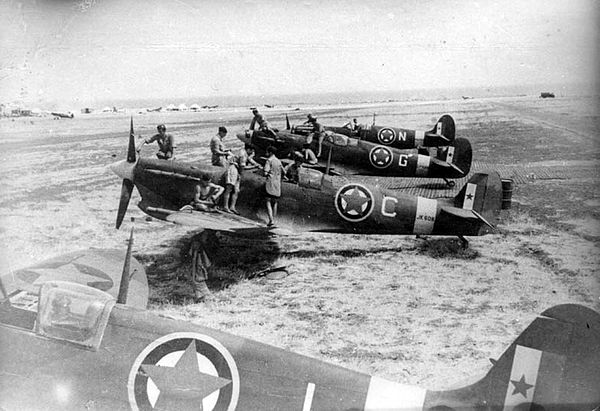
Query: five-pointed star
521,386
381,156
354,201
183,385
387,135
470,196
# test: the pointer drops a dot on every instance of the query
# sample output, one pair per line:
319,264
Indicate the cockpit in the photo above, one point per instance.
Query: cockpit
66,311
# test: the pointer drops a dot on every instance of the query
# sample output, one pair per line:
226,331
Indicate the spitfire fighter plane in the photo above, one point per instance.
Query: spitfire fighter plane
442,134
71,346
360,156
62,114
318,202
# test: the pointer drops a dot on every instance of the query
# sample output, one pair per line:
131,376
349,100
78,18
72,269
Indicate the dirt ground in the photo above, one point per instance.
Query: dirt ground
418,311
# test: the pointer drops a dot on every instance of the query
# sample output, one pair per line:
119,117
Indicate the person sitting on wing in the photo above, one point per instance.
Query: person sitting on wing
207,194
165,141
263,124
291,172
317,131
308,156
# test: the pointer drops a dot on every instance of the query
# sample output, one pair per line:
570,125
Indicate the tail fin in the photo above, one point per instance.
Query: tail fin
459,155
553,365
482,195
445,127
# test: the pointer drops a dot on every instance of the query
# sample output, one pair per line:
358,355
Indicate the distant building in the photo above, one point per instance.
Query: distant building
182,107
546,94
194,107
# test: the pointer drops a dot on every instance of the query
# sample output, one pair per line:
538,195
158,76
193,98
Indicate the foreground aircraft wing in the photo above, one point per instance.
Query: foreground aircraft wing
212,220
97,268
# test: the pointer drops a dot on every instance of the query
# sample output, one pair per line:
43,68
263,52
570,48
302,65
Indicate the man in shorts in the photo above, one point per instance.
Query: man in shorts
273,170
207,194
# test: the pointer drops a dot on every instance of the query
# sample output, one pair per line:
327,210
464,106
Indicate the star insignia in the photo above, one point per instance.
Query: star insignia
75,272
386,135
521,386
183,384
381,157
354,202
469,196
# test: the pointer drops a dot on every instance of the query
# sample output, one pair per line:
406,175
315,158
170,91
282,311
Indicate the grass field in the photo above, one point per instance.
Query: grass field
420,311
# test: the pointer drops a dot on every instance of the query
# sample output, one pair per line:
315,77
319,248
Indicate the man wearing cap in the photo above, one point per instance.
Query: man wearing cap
317,131
218,150
165,141
263,124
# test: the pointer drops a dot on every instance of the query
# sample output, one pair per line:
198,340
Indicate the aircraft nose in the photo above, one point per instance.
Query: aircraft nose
123,169
243,137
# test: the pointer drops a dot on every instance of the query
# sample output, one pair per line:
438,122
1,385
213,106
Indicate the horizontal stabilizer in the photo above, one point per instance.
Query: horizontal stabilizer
466,214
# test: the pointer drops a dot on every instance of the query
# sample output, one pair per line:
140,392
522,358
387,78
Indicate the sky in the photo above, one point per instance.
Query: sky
82,51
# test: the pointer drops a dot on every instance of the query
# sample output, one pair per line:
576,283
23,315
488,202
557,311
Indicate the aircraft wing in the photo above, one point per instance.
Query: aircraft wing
214,220
97,268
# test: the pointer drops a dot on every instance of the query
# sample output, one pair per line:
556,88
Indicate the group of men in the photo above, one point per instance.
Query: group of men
208,193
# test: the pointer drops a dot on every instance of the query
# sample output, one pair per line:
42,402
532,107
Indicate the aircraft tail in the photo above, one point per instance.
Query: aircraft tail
482,196
458,156
553,365
445,127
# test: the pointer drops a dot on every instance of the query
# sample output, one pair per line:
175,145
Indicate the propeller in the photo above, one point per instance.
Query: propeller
125,170
125,276
287,123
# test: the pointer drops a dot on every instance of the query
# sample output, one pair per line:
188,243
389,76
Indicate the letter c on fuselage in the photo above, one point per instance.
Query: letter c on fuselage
384,203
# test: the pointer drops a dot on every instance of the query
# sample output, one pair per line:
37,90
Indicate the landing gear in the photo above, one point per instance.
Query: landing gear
449,183
463,242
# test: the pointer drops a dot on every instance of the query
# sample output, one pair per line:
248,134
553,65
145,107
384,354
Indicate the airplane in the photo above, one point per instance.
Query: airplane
149,110
361,157
318,202
72,346
62,114
442,134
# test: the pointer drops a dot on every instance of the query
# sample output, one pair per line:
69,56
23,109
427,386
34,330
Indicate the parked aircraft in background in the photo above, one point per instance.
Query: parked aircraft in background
442,134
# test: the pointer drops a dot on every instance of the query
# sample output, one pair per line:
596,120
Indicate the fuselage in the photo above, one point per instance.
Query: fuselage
355,156
316,203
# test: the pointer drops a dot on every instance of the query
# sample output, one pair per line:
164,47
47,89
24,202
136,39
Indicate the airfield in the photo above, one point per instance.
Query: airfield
418,311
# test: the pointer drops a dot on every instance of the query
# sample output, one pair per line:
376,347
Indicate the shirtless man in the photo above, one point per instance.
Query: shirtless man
207,194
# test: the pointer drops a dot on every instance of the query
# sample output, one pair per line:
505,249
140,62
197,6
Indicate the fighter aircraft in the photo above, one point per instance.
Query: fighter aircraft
62,114
442,134
96,267
318,202
76,348
358,156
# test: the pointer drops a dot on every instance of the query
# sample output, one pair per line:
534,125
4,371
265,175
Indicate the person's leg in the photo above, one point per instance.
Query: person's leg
234,197
275,201
226,197
321,138
269,211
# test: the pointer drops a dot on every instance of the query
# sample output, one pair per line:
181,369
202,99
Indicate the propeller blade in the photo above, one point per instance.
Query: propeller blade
131,148
126,190
287,123
124,286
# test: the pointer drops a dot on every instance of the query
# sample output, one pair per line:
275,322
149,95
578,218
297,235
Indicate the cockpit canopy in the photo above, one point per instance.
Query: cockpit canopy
73,312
